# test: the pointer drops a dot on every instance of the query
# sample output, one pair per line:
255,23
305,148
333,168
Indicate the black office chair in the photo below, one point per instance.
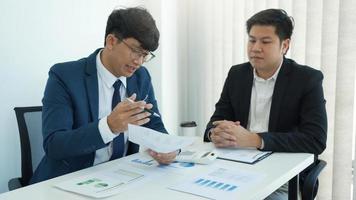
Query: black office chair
29,120
309,187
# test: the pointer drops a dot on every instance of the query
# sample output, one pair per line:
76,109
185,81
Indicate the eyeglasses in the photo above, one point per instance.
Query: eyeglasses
138,54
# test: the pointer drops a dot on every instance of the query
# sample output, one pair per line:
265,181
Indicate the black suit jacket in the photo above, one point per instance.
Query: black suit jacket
297,120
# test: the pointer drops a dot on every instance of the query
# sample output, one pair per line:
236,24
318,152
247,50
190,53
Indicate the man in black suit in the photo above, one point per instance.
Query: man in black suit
271,102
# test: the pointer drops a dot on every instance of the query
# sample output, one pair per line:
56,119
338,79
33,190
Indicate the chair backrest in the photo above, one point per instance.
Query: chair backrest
29,120
311,183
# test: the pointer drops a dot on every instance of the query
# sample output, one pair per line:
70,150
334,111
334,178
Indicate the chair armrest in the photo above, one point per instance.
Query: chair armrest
14,183
311,184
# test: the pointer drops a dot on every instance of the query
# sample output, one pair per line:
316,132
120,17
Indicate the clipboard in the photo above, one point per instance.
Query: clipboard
248,156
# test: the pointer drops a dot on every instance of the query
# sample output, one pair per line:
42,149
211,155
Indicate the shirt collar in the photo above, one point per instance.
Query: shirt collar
107,77
273,77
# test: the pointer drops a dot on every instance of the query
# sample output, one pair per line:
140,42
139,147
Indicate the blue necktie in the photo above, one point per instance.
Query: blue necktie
118,142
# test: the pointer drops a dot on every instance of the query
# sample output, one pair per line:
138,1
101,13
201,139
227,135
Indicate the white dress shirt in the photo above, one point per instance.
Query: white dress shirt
260,105
106,81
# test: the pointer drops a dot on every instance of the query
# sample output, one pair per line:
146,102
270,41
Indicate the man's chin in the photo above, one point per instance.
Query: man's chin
256,65
125,74
129,74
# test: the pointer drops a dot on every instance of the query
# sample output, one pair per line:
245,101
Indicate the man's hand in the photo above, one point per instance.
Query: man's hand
232,134
127,112
221,138
163,158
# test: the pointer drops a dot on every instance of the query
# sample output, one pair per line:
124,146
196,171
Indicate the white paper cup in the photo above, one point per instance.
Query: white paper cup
189,131
188,128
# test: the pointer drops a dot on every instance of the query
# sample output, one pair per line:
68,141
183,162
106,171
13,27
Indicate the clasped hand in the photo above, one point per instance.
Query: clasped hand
232,134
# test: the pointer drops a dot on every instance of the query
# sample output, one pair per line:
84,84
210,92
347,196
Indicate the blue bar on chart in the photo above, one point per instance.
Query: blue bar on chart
224,187
215,185
211,184
218,185
232,188
198,181
205,182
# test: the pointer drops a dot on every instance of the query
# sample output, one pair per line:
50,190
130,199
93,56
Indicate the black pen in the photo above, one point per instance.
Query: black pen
145,109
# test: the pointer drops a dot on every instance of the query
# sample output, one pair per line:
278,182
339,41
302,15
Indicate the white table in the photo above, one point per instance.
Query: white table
278,167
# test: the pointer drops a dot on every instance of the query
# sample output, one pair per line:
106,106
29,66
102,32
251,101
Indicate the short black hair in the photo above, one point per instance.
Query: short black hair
134,22
278,18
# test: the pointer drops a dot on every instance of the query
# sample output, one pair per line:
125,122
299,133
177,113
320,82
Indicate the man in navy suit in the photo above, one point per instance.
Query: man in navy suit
85,110
271,102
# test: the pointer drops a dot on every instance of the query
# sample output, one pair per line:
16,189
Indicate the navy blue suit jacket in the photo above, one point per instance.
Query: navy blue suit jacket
70,116
297,121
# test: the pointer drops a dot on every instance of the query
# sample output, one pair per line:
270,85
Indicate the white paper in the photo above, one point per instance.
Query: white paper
242,155
106,183
218,183
157,141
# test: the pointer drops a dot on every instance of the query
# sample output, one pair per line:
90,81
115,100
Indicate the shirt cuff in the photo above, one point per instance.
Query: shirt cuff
209,133
105,131
262,144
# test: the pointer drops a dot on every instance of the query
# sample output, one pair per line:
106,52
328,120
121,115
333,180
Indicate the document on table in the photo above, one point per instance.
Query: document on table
218,183
159,142
147,163
249,156
106,183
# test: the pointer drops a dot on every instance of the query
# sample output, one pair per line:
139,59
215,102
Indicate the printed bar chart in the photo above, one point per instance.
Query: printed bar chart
215,184
218,182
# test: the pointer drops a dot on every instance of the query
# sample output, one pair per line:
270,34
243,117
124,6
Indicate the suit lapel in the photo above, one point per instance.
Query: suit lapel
132,87
246,85
91,81
278,94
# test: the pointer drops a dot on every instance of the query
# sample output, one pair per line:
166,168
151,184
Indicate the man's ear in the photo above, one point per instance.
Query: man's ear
110,41
285,46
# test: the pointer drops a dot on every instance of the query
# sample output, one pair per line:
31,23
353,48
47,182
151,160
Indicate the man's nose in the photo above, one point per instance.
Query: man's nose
256,47
138,60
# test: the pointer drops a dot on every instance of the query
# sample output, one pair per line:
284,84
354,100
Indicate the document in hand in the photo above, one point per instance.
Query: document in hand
250,156
157,141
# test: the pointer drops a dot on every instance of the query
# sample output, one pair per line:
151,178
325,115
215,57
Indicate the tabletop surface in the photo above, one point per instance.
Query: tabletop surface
277,169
